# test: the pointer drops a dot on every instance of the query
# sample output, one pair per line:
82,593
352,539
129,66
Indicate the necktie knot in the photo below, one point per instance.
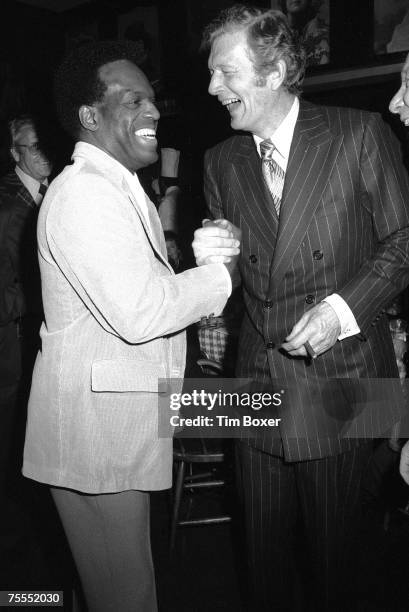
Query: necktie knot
266,149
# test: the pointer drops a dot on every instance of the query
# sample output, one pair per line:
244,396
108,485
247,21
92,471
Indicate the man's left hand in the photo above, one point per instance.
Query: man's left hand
320,327
217,241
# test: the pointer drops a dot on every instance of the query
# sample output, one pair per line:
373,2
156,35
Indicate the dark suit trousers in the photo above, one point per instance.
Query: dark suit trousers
10,374
323,498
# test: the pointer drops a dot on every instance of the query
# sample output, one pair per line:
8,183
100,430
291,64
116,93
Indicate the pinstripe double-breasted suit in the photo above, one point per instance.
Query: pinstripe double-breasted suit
343,228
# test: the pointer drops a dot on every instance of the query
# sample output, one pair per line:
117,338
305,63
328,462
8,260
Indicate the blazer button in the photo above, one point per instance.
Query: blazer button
270,345
253,259
309,299
318,254
268,304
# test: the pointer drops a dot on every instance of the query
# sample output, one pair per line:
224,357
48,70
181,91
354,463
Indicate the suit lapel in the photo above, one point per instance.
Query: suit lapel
249,187
153,229
15,188
106,168
313,154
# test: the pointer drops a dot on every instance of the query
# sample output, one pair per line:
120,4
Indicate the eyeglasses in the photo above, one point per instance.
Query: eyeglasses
34,148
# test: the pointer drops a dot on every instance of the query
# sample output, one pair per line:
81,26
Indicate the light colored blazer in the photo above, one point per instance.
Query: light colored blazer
113,314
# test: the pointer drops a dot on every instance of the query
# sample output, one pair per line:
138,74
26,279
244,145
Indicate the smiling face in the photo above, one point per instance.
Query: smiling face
399,105
28,157
126,119
249,99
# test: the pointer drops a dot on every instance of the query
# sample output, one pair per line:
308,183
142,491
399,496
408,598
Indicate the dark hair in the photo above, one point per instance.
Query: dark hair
269,38
77,79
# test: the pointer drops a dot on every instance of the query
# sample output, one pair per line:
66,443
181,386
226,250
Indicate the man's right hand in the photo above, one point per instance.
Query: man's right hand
217,242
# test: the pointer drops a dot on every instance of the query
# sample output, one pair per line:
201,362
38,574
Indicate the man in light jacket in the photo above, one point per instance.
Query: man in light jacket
114,315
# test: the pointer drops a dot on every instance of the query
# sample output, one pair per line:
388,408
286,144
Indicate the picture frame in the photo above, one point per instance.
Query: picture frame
81,32
391,26
141,26
357,43
337,79
311,21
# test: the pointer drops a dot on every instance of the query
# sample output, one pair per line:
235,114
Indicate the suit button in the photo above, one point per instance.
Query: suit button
253,259
318,254
268,304
309,299
270,345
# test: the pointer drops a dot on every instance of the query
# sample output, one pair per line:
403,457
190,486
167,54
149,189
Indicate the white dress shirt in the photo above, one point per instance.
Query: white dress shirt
282,139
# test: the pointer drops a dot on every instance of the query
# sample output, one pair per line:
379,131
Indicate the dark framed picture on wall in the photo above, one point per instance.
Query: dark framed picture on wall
81,32
391,26
141,26
311,20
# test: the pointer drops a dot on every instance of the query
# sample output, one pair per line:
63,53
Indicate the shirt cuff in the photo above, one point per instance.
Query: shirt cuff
218,312
349,326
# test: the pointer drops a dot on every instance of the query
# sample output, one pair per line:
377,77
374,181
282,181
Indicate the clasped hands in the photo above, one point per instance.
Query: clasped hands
217,241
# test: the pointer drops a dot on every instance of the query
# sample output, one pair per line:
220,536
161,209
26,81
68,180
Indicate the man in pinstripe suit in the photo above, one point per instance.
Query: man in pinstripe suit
322,254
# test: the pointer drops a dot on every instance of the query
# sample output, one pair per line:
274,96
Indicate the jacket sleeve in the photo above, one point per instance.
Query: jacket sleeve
98,241
214,207
384,191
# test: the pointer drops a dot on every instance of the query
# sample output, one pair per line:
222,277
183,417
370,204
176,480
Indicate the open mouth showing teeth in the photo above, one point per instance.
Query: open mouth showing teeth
231,103
146,133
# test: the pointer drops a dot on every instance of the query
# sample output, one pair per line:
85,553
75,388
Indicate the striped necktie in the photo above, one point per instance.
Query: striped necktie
41,193
273,174
42,189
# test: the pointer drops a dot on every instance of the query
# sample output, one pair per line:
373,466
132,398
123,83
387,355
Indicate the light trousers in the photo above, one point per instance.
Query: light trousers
109,537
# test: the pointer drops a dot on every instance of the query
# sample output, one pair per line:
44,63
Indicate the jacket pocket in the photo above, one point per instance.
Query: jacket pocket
122,375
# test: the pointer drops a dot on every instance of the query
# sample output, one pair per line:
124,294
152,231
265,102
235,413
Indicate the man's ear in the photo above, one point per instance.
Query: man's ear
88,116
277,75
15,154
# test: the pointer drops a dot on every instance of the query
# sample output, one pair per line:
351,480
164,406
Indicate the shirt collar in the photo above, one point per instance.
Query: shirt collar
97,155
30,183
283,135
112,168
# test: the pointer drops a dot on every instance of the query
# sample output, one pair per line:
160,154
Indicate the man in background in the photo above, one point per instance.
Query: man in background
399,105
21,193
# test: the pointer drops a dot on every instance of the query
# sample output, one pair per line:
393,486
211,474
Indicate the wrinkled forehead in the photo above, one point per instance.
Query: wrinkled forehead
124,75
229,47
26,134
